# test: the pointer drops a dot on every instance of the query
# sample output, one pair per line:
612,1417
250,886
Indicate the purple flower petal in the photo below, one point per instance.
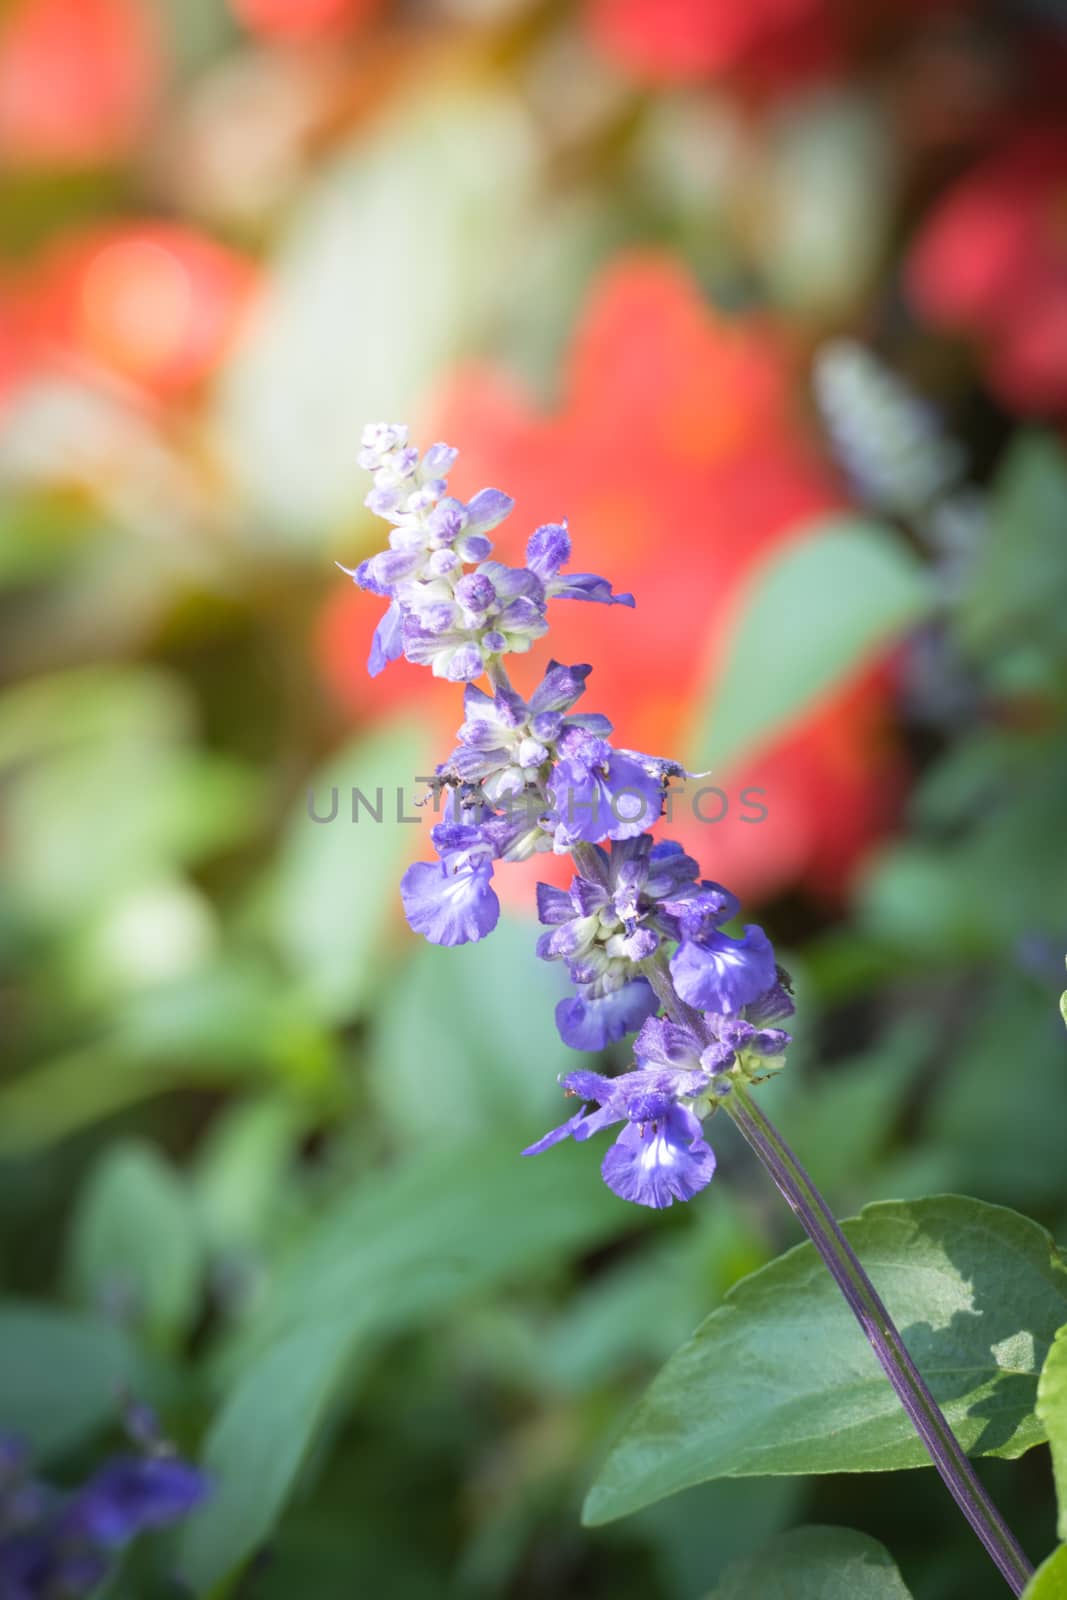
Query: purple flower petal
390,567
772,1041
361,576
591,1086
718,1057
488,508
604,1116
774,1006
132,1493
547,549
388,641
553,905
559,688
599,794
474,547
475,592
439,459
667,1044
593,722
435,620
659,1162
465,664
588,1023
586,586
453,836
449,908
703,909
522,615
724,974
383,501
562,942
517,835
584,1123
556,1135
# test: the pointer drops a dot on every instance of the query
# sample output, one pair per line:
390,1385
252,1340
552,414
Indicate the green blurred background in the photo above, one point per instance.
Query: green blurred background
258,1146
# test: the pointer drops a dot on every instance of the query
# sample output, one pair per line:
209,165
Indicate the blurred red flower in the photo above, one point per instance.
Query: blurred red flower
302,19
992,262
664,41
78,79
152,303
675,454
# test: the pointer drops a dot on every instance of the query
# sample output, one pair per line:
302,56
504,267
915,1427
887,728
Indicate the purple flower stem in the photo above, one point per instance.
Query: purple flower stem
866,1305
863,1299
497,673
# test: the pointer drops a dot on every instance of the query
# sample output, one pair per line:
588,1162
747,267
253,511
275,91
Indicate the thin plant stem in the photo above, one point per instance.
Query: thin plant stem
497,673
863,1299
867,1306
823,1230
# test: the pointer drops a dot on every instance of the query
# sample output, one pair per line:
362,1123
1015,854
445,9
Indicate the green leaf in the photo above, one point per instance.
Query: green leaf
337,888
1007,1143
101,705
134,1244
864,1094
404,1243
147,800
611,1326
483,1018
744,1514
779,1379
231,1021
142,809
241,1168
256,1447
931,897
402,1247
69,1092
815,611
41,535
61,1375
827,177
1017,591
352,327
1049,1582
815,1564
1052,1414
196,31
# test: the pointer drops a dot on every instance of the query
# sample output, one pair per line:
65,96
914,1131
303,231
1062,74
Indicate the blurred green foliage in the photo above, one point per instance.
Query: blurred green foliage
258,1148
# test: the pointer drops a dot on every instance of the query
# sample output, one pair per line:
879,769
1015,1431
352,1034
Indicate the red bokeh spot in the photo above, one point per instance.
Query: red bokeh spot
1028,361
303,19
152,303
992,262
664,41
346,625
78,79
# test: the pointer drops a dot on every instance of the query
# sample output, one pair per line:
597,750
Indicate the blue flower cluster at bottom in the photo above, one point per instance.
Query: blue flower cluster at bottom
57,1545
